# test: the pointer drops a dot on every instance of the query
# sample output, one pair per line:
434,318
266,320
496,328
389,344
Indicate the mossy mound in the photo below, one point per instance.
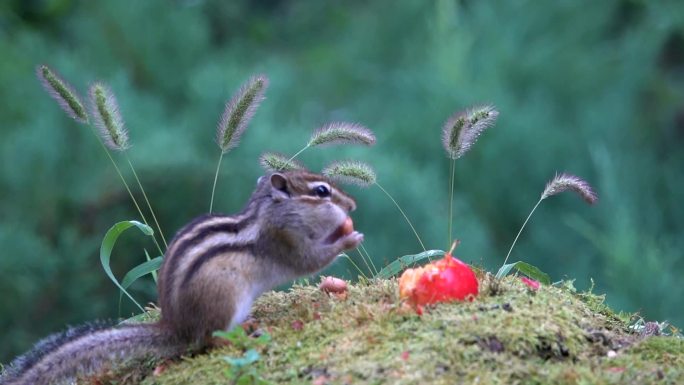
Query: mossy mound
510,334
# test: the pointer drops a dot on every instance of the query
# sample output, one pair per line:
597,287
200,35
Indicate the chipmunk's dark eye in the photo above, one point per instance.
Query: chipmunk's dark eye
321,191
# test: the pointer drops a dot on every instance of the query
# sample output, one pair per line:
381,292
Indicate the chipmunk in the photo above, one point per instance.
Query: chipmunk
294,224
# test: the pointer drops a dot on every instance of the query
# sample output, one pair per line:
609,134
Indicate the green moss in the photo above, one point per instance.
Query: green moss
508,335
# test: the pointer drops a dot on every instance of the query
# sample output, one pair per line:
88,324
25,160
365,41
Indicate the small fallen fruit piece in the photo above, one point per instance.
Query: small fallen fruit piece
531,283
445,280
333,285
297,325
159,369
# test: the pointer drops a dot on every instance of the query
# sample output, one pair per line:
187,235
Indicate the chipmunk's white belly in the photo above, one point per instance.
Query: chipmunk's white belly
243,307
241,313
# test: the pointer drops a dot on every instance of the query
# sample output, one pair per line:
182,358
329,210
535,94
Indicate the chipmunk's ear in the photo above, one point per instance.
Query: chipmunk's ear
279,183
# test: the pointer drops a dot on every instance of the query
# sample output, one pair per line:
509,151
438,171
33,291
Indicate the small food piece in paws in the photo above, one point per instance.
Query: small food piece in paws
347,226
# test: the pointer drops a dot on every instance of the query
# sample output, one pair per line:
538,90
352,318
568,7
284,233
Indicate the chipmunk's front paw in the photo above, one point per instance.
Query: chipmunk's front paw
350,241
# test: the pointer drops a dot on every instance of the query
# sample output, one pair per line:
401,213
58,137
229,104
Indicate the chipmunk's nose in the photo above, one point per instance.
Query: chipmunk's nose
348,204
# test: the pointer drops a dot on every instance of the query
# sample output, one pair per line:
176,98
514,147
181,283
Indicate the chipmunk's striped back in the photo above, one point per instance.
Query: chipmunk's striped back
196,244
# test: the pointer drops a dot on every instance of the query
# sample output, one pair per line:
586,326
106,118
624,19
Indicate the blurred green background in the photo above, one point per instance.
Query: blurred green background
592,88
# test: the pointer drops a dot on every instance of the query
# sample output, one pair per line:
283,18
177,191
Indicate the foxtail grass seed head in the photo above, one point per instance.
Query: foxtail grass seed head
63,93
563,182
342,133
277,162
108,118
239,111
460,132
352,172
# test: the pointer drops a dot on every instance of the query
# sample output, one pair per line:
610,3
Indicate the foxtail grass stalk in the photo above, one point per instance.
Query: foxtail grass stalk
273,162
362,175
113,135
402,213
213,188
298,152
459,134
128,189
149,206
354,264
338,133
365,261
560,183
521,230
451,197
63,93
375,269
107,118
235,118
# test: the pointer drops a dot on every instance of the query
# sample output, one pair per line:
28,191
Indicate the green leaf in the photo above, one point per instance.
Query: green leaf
239,338
263,339
141,270
147,267
526,269
251,356
154,272
107,246
403,262
236,335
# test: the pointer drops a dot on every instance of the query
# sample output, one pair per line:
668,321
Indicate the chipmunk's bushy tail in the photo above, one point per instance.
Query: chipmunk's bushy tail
89,349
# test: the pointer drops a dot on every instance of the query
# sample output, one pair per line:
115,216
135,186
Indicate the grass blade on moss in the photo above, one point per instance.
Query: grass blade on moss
402,263
107,247
153,272
526,269
150,266
63,93
147,267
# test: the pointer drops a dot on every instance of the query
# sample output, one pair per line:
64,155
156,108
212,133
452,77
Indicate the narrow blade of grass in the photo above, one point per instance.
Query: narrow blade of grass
154,272
406,261
147,267
140,271
107,246
526,269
